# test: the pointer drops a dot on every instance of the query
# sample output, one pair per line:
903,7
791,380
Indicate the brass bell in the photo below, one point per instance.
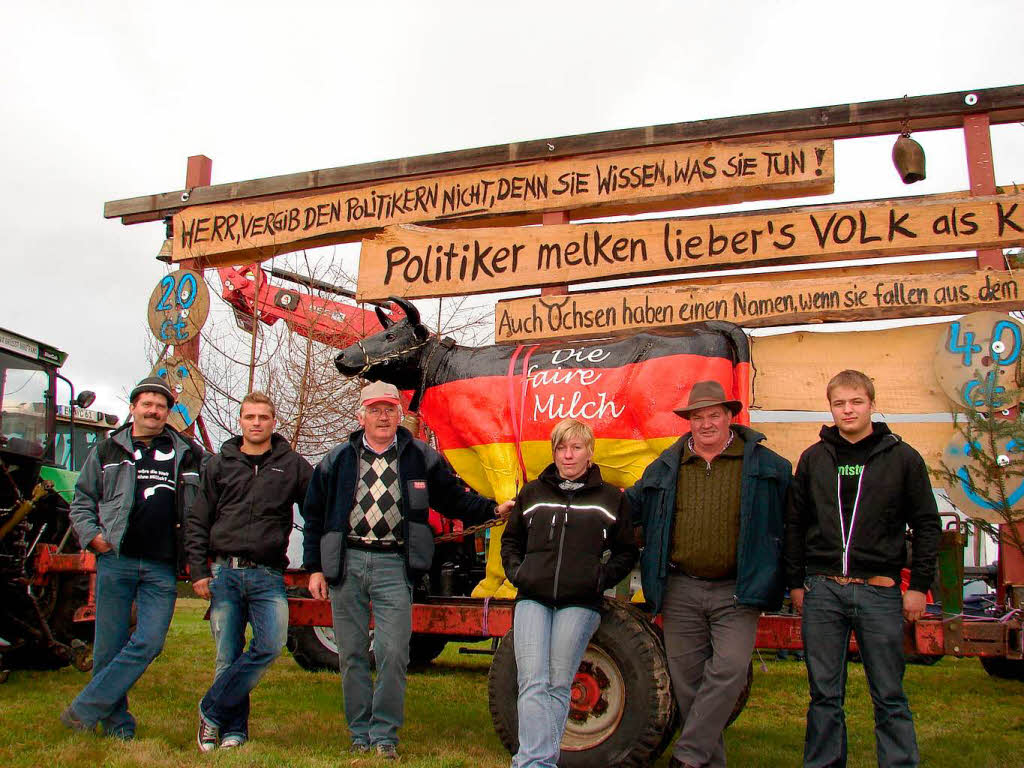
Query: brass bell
908,157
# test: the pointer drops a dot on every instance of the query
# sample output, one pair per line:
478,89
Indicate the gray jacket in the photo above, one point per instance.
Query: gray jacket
105,491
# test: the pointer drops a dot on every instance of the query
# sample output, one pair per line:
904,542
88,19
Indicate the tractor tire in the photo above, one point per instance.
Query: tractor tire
627,698
315,649
1003,668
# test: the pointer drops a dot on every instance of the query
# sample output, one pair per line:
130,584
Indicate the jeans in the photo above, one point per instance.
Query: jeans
120,658
875,614
549,644
240,595
374,712
708,643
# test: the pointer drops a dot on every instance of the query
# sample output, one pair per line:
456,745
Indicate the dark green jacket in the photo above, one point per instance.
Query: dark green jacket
766,477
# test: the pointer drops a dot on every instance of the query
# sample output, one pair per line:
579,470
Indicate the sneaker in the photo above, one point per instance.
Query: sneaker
73,721
387,751
358,748
208,736
232,741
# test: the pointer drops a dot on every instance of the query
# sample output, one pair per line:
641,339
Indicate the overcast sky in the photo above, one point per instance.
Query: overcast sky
106,100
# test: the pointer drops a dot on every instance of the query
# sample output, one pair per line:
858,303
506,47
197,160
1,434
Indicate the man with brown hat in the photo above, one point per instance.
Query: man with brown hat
712,507
130,501
366,539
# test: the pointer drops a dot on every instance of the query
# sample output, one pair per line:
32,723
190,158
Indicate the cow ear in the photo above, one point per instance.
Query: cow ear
421,331
385,321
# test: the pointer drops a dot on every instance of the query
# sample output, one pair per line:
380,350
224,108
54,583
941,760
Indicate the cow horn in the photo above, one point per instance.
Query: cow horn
385,321
407,306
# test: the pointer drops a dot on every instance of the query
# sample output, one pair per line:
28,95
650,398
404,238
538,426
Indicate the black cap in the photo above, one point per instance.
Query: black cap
153,384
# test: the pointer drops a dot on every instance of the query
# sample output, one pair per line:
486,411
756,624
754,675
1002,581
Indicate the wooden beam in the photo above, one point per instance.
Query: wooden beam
872,118
637,182
892,296
793,369
420,262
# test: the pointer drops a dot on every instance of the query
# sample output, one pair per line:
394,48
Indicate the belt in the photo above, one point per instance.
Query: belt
236,562
872,581
374,546
678,570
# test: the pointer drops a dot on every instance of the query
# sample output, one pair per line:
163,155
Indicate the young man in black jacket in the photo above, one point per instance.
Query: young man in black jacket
855,493
242,520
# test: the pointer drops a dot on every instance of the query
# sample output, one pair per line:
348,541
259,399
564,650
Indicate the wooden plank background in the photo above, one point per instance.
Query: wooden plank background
792,369
790,439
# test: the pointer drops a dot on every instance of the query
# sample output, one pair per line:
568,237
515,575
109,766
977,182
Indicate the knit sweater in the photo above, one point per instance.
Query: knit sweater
706,527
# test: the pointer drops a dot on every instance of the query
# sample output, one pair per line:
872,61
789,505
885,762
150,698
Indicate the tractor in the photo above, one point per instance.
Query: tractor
45,582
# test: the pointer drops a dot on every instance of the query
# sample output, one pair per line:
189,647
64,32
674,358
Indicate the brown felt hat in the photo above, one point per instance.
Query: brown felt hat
705,394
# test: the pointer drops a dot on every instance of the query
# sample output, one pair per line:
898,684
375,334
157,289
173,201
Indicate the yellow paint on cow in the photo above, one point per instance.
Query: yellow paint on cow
493,470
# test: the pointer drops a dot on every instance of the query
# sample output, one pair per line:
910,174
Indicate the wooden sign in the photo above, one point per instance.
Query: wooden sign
667,178
756,304
417,262
189,387
977,360
178,306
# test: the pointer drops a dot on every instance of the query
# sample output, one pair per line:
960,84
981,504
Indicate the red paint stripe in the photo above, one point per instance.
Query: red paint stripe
637,401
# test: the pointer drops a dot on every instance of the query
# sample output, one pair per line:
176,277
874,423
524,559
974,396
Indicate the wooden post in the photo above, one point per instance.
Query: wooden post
198,173
981,173
556,217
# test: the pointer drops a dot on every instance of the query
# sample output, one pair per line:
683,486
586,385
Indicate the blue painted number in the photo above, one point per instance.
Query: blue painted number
968,348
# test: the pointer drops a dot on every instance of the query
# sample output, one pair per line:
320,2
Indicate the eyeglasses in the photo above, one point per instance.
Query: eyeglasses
390,412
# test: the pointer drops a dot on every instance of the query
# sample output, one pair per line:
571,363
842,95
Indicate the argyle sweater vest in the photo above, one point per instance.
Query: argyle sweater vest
376,516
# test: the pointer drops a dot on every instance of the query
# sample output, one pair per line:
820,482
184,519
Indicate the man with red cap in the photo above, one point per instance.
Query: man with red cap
712,508
366,539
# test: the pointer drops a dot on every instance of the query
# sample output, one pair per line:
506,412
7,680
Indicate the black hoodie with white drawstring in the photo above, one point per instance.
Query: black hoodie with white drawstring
853,522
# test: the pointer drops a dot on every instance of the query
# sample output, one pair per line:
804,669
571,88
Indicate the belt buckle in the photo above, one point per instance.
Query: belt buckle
844,581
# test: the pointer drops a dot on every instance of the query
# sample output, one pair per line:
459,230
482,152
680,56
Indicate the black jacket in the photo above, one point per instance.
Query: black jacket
243,510
427,480
554,539
895,493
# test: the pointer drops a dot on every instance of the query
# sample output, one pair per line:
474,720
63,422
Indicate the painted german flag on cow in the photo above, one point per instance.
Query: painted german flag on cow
493,408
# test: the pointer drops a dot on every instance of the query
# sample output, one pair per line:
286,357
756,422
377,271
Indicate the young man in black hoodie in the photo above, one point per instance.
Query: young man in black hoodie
855,493
242,520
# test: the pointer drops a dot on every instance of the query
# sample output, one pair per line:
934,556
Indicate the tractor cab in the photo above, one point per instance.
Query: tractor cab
28,380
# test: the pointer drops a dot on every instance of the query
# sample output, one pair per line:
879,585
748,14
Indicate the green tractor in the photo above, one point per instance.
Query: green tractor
46,583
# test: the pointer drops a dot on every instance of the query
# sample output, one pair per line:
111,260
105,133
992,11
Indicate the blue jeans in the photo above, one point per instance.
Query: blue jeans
119,655
240,595
374,712
875,615
549,644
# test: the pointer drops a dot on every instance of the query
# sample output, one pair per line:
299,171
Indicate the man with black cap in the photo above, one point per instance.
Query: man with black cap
366,537
712,507
130,501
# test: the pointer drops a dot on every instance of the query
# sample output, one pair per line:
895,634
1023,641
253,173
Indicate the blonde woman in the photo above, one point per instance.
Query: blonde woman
552,549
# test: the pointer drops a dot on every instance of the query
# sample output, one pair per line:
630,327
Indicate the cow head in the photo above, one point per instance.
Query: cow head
392,355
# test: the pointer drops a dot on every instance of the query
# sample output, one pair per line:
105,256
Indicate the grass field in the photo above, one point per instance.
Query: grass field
964,717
